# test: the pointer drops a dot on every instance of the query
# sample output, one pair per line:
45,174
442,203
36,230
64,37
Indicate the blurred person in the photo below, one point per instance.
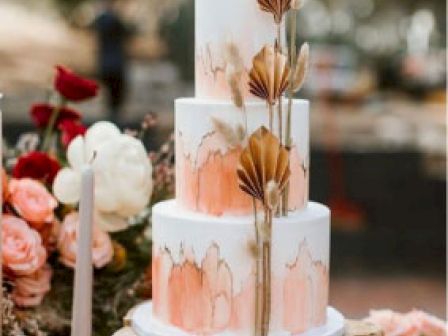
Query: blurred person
112,36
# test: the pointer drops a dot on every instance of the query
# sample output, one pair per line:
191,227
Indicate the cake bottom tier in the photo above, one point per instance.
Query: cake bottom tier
204,271
143,323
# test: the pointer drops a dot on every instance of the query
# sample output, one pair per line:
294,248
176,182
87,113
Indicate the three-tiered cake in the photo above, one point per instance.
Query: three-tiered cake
204,268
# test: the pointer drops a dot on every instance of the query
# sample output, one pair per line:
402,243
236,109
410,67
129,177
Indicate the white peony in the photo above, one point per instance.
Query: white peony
123,175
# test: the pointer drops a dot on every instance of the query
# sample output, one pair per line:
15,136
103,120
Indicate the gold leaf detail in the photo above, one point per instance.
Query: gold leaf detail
302,67
276,7
269,74
263,160
230,135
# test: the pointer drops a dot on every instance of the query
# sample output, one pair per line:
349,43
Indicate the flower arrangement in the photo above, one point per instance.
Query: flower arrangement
40,196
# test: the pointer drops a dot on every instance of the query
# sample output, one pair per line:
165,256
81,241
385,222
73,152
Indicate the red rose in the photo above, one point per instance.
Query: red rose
70,130
41,114
74,87
36,165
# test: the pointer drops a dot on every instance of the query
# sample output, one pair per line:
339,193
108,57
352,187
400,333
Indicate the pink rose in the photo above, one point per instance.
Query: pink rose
30,290
415,323
102,252
32,201
23,252
390,322
427,325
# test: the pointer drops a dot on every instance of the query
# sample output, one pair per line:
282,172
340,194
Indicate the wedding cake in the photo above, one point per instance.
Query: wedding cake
230,256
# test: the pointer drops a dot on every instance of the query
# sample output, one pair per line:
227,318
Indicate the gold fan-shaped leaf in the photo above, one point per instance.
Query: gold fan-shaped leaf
276,7
263,161
269,74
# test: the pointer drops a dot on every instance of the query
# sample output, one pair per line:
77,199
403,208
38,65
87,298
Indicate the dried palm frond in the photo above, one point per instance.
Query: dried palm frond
269,74
264,161
276,7
302,68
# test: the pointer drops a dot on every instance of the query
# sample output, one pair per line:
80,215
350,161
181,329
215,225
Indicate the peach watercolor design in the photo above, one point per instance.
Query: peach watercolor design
305,293
209,183
202,300
196,299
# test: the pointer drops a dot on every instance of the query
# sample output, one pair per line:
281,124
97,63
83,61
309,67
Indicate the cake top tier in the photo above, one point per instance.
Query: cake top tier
220,25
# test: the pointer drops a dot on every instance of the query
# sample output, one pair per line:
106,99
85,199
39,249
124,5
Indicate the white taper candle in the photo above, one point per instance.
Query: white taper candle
82,297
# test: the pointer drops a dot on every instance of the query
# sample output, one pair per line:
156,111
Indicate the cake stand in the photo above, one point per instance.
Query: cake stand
143,323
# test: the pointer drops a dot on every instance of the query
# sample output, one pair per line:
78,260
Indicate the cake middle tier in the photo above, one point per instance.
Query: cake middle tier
208,149
204,271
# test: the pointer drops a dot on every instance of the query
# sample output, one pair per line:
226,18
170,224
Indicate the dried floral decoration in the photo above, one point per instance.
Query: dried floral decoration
263,163
263,173
269,75
234,71
302,67
233,136
276,7
297,4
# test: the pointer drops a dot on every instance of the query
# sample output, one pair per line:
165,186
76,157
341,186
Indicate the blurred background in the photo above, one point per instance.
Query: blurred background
378,96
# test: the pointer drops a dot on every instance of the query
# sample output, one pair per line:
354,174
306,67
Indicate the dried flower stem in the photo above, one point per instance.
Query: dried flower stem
279,37
280,119
280,108
292,61
280,103
271,117
243,109
258,267
51,123
266,287
279,211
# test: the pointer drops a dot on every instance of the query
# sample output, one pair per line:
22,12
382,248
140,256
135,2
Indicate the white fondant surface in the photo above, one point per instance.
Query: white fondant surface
145,324
177,229
194,121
